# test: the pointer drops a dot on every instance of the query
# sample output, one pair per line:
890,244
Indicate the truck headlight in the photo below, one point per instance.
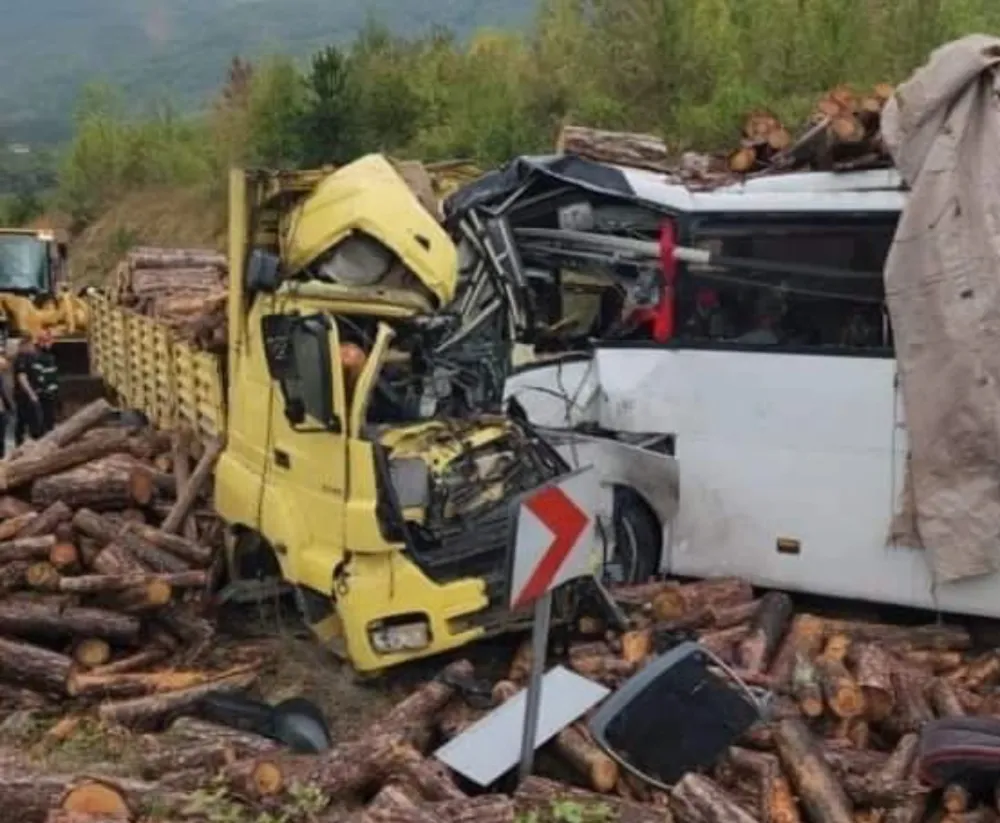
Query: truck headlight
406,634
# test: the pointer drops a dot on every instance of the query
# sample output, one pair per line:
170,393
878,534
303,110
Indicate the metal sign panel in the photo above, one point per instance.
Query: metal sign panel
555,538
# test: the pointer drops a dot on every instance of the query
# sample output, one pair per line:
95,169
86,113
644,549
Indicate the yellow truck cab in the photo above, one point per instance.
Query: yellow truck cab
390,519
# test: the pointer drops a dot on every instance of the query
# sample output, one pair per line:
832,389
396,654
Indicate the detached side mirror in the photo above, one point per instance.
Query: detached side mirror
263,272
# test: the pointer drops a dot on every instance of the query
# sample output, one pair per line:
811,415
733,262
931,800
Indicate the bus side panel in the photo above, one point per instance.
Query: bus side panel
786,467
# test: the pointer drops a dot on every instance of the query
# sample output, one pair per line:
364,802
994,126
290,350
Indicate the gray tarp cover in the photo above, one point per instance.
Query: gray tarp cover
943,291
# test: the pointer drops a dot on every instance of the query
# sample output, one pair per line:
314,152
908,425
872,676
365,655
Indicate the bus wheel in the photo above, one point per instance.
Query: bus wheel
638,538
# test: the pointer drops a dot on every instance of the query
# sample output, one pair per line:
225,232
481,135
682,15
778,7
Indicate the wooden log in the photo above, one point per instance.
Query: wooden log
64,558
199,478
431,778
150,596
637,646
956,798
873,671
710,801
768,628
11,506
119,798
485,809
202,733
644,151
821,795
104,583
938,662
182,476
42,576
807,689
840,690
12,575
151,557
182,547
25,469
939,637
575,747
912,709
844,759
41,620
983,671
254,779
27,548
193,630
15,526
725,617
133,662
92,653
115,559
109,483
64,433
33,666
149,711
675,601
804,641
84,684
776,800
944,699
540,799
868,790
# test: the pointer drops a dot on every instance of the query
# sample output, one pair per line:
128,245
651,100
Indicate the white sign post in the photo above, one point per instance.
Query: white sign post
554,543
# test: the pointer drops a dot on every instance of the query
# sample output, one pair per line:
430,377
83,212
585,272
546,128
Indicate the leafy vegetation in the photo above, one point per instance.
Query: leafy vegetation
687,69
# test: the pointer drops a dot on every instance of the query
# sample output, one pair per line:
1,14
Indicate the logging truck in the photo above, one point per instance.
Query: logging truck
389,518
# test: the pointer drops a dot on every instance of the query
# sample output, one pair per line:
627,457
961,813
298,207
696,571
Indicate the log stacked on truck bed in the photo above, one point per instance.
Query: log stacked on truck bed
842,133
105,571
185,288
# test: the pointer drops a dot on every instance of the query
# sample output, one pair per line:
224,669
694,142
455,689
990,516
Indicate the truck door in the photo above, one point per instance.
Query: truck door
305,475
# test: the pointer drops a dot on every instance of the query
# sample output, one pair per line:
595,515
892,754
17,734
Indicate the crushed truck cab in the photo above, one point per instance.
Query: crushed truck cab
347,470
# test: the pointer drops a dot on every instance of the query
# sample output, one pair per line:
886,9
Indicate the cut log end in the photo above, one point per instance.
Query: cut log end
96,800
92,652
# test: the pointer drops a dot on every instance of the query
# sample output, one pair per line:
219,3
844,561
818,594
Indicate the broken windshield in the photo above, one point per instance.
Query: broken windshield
23,263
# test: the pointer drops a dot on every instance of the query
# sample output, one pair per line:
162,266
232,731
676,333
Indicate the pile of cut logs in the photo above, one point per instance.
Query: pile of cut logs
184,288
107,552
842,133
841,748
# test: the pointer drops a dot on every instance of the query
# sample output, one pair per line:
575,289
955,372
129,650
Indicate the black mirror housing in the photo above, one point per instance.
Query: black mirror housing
263,272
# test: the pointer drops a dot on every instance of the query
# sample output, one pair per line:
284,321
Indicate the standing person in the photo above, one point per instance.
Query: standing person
26,400
46,382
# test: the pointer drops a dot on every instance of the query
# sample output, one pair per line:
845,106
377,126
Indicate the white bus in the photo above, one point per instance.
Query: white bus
765,437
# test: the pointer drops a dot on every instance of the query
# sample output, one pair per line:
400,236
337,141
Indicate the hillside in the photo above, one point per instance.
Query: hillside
178,49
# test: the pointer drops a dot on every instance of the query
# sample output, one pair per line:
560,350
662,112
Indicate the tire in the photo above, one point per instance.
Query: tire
638,540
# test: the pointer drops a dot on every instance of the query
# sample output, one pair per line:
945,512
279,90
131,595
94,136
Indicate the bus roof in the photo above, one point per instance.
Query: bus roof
878,190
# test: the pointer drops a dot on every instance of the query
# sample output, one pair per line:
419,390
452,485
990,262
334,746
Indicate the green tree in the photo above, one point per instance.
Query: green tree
330,120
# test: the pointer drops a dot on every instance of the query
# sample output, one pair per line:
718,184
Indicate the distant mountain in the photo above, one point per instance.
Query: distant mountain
179,49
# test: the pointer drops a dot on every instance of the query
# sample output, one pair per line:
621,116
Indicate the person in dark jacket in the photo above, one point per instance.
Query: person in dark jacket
26,401
46,382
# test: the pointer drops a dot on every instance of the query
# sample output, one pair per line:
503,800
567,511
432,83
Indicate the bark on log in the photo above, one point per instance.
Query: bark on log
642,151
725,617
766,631
83,684
15,473
34,667
199,478
540,798
807,688
912,709
873,670
64,433
677,600
12,575
149,711
152,595
45,621
15,526
411,718
868,790
576,748
151,557
945,700
776,800
431,778
11,506
932,637
840,691
485,809
182,476
201,732
187,550
710,801
109,483
804,640
27,548
821,795
115,559
133,662
723,643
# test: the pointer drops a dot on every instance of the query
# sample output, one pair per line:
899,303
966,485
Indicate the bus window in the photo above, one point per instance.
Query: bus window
746,306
